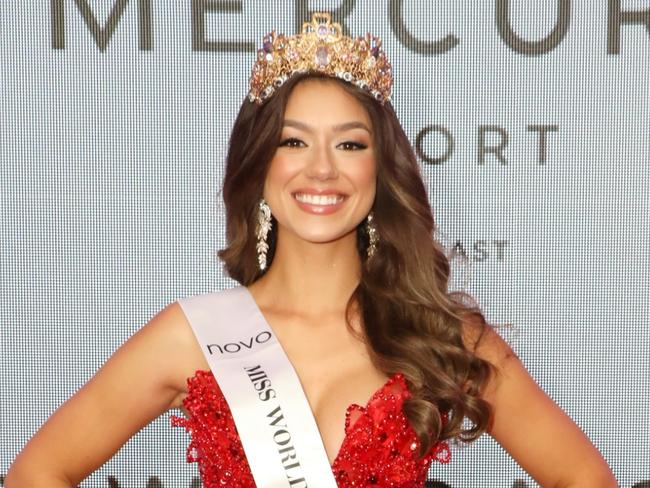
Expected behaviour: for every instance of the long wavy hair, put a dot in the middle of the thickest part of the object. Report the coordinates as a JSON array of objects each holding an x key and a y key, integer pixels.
[{"x": 411, "y": 322}]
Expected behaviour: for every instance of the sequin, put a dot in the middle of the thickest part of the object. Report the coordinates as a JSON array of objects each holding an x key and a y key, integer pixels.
[{"x": 379, "y": 448}]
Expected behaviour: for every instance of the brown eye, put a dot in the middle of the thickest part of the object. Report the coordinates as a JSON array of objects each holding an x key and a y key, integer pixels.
[
  {"x": 355, "y": 146},
  {"x": 291, "y": 142}
]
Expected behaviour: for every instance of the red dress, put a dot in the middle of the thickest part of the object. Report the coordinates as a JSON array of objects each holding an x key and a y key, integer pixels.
[{"x": 379, "y": 449}]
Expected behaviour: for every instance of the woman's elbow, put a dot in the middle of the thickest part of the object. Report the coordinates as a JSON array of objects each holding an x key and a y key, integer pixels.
[
  {"x": 601, "y": 477},
  {"x": 21, "y": 477}
]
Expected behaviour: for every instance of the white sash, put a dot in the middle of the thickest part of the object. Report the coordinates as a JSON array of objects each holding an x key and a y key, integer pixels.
[{"x": 275, "y": 423}]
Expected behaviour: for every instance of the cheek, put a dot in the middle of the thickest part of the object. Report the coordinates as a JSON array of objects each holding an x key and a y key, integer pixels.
[
  {"x": 281, "y": 171},
  {"x": 364, "y": 173}
]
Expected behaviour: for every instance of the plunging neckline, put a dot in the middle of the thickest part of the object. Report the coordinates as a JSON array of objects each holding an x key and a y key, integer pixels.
[
  {"x": 347, "y": 427},
  {"x": 377, "y": 440},
  {"x": 363, "y": 409},
  {"x": 348, "y": 409}
]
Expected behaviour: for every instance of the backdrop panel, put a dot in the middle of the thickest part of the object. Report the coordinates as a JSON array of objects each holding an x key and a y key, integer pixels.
[{"x": 530, "y": 121}]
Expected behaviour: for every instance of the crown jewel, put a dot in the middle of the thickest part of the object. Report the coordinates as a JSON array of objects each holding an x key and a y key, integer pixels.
[{"x": 321, "y": 47}]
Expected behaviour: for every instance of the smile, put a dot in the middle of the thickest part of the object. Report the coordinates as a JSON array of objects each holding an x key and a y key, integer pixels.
[
  {"x": 320, "y": 204},
  {"x": 318, "y": 199}
]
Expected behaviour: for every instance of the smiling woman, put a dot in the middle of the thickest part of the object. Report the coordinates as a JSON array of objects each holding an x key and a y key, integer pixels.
[
  {"x": 342, "y": 358},
  {"x": 329, "y": 169},
  {"x": 369, "y": 319}
]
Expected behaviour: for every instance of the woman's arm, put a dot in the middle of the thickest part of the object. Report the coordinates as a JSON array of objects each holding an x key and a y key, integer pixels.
[
  {"x": 136, "y": 385},
  {"x": 539, "y": 436}
]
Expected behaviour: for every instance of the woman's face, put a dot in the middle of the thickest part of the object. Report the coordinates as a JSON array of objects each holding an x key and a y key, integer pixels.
[{"x": 321, "y": 181}]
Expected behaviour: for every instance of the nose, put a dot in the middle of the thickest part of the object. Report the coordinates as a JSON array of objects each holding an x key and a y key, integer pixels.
[{"x": 321, "y": 165}]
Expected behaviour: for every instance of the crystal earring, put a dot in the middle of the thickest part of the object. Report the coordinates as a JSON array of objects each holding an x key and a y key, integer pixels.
[
  {"x": 263, "y": 228},
  {"x": 373, "y": 235}
]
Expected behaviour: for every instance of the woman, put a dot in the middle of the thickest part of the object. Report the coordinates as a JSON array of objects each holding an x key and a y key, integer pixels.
[{"x": 330, "y": 237}]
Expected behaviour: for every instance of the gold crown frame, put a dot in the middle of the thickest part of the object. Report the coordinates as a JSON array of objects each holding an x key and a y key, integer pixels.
[{"x": 322, "y": 48}]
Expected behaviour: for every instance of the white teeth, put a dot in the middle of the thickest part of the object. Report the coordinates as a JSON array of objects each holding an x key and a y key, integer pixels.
[{"x": 318, "y": 199}]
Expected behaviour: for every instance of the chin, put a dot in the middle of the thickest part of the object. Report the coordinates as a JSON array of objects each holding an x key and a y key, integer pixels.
[{"x": 324, "y": 236}]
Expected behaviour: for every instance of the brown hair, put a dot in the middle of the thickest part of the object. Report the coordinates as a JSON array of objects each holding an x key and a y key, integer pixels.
[{"x": 411, "y": 323}]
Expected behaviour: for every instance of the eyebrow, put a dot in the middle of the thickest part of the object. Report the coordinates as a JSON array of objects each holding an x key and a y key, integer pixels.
[{"x": 336, "y": 128}]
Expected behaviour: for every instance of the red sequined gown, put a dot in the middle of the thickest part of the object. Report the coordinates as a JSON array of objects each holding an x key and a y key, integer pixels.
[{"x": 379, "y": 448}]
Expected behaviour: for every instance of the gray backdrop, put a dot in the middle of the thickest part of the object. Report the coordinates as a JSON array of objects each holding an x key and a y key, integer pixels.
[{"x": 530, "y": 120}]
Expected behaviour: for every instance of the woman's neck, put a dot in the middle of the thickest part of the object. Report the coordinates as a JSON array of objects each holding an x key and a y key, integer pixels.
[{"x": 310, "y": 278}]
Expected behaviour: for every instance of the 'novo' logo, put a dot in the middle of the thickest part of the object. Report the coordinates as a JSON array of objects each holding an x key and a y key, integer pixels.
[{"x": 235, "y": 347}]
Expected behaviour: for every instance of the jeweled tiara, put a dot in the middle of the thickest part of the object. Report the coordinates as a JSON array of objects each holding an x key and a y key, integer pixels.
[{"x": 321, "y": 47}]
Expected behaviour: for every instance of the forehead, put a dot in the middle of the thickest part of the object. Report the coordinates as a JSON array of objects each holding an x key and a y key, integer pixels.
[{"x": 321, "y": 101}]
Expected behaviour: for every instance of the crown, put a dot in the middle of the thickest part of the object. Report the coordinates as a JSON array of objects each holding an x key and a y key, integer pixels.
[{"x": 321, "y": 47}]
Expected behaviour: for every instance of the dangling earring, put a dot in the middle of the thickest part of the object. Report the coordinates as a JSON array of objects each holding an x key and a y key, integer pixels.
[
  {"x": 373, "y": 235},
  {"x": 263, "y": 228}
]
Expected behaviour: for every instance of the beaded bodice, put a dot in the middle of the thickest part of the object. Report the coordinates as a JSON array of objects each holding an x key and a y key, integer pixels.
[{"x": 379, "y": 448}]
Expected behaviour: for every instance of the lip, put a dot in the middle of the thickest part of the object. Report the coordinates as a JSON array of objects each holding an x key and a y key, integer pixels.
[
  {"x": 320, "y": 209},
  {"x": 317, "y": 191}
]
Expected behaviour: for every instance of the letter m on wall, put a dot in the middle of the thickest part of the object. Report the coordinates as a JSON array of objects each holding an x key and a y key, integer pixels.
[{"x": 101, "y": 34}]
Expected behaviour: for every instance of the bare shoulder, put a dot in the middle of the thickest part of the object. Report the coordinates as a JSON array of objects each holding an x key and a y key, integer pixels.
[
  {"x": 171, "y": 335},
  {"x": 483, "y": 340},
  {"x": 161, "y": 354}
]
